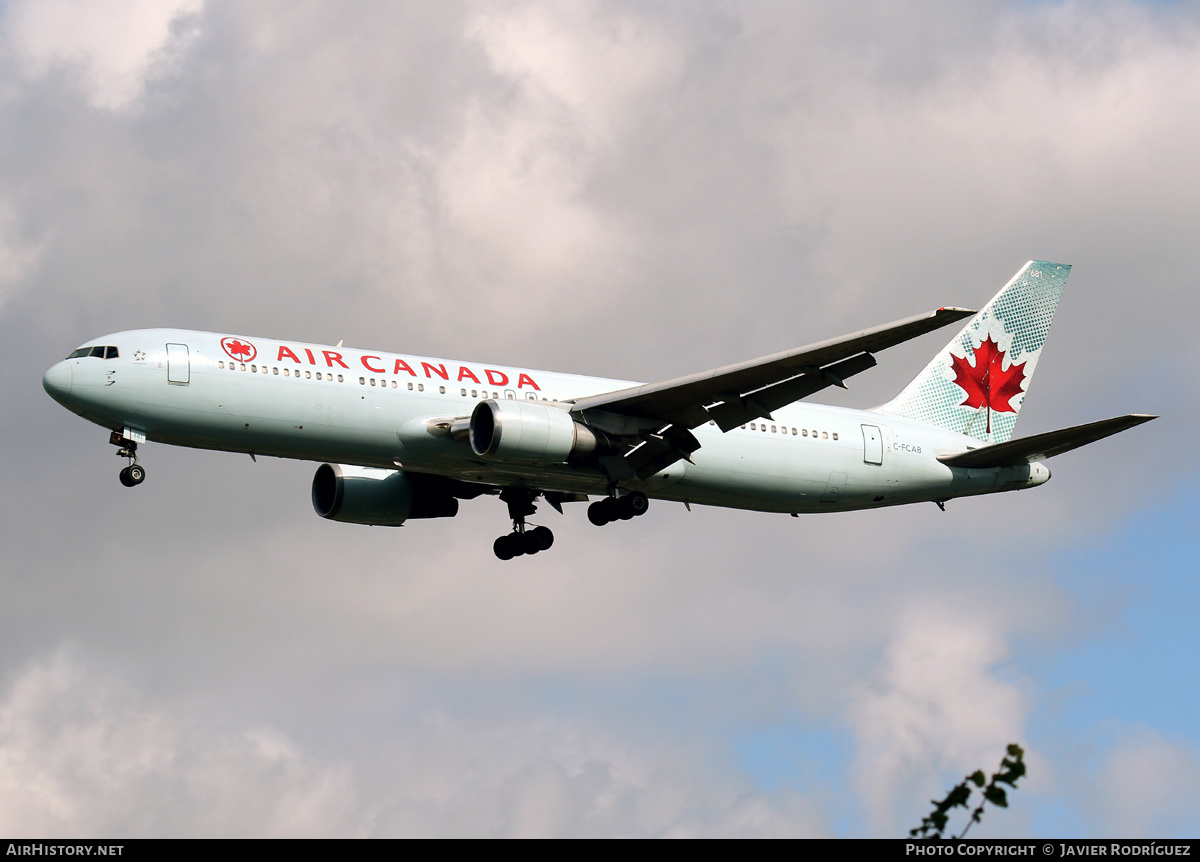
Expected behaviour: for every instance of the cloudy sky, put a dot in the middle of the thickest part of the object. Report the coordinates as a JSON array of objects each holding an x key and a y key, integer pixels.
[{"x": 635, "y": 190}]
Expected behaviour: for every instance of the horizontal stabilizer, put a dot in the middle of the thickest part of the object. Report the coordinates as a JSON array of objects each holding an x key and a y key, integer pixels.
[{"x": 1041, "y": 446}]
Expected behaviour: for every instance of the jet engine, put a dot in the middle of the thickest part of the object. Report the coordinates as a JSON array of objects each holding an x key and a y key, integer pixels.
[
  {"x": 529, "y": 431},
  {"x": 384, "y": 498}
]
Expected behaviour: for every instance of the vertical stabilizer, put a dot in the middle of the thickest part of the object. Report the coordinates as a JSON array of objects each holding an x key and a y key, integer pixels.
[{"x": 977, "y": 383}]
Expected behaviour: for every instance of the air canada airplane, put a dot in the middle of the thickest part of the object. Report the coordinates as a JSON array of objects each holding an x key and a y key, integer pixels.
[{"x": 406, "y": 437}]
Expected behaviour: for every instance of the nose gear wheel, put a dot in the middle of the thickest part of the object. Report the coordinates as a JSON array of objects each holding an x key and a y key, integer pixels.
[{"x": 135, "y": 473}]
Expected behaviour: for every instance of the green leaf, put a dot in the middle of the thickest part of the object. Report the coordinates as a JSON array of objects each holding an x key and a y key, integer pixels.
[
  {"x": 978, "y": 777},
  {"x": 996, "y": 796}
]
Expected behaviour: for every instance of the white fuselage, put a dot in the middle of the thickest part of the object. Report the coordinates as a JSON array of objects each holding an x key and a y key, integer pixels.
[{"x": 320, "y": 403}]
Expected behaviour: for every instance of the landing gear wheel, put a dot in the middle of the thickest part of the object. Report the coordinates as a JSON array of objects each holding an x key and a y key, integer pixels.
[
  {"x": 133, "y": 475},
  {"x": 503, "y": 547},
  {"x": 598, "y": 513},
  {"x": 528, "y": 542},
  {"x": 541, "y": 537},
  {"x": 636, "y": 502}
]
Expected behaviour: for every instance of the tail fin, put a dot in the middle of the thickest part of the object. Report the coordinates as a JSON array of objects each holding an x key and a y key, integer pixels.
[{"x": 977, "y": 383}]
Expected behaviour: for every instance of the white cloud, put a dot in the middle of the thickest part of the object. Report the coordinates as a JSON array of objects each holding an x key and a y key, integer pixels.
[
  {"x": 938, "y": 707},
  {"x": 18, "y": 256},
  {"x": 83, "y": 755},
  {"x": 114, "y": 45},
  {"x": 1148, "y": 786}
]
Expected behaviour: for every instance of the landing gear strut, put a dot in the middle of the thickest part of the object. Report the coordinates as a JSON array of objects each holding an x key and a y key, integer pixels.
[
  {"x": 616, "y": 508},
  {"x": 521, "y": 540},
  {"x": 135, "y": 473}
]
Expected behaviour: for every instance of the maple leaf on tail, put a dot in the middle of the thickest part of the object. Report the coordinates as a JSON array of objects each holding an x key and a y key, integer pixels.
[{"x": 987, "y": 384}]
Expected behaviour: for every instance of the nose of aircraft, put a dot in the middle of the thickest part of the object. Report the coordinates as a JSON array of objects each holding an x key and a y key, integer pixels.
[{"x": 57, "y": 381}]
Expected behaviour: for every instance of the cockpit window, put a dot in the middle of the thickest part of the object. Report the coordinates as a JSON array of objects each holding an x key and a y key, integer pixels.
[{"x": 101, "y": 352}]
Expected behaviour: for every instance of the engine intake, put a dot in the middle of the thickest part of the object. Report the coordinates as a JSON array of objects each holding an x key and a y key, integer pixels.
[
  {"x": 378, "y": 497},
  {"x": 529, "y": 431}
]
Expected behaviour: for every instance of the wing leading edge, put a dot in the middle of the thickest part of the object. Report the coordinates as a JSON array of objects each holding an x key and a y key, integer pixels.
[{"x": 657, "y": 418}]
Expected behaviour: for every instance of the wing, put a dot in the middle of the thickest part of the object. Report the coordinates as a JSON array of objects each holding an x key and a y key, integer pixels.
[
  {"x": 655, "y": 420},
  {"x": 1026, "y": 450}
]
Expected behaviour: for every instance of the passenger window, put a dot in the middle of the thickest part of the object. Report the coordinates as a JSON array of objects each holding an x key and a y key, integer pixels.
[
  {"x": 319, "y": 376},
  {"x": 773, "y": 431},
  {"x": 834, "y": 435},
  {"x": 287, "y": 373},
  {"x": 824, "y": 435},
  {"x": 420, "y": 387},
  {"x": 341, "y": 379},
  {"x": 395, "y": 385},
  {"x": 531, "y": 396},
  {"x": 362, "y": 381},
  {"x": 410, "y": 386},
  {"x": 442, "y": 390},
  {"x": 464, "y": 393},
  {"x": 253, "y": 369},
  {"x": 753, "y": 426},
  {"x": 372, "y": 381},
  {"x": 804, "y": 432},
  {"x": 220, "y": 364},
  {"x": 242, "y": 366},
  {"x": 474, "y": 393}
]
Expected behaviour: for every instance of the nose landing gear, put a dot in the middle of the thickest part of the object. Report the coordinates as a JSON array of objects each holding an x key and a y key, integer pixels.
[{"x": 135, "y": 473}]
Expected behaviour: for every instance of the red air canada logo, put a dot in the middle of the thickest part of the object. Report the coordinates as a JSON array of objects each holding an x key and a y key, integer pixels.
[
  {"x": 987, "y": 384},
  {"x": 242, "y": 351}
]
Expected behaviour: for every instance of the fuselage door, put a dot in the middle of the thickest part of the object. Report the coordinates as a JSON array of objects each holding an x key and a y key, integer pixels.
[
  {"x": 872, "y": 445},
  {"x": 179, "y": 364}
]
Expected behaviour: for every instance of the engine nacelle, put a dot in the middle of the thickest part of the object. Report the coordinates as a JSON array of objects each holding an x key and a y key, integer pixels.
[
  {"x": 370, "y": 495},
  {"x": 528, "y": 431}
]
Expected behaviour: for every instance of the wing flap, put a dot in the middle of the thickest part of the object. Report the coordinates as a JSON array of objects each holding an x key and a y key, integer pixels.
[
  {"x": 738, "y": 410},
  {"x": 1026, "y": 450},
  {"x": 673, "y": 400}
]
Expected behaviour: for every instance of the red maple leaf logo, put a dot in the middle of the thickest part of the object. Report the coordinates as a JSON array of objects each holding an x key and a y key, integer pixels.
[
  {"x": 987, "y": 384},
  {"x": 243, "y": 350}
]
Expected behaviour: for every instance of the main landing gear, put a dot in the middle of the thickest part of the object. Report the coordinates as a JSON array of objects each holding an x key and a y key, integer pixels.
[
  {"x": 135, "y": 473},
  {"x": 618, "y": 508},
  {"x": 522, "y": 539}
]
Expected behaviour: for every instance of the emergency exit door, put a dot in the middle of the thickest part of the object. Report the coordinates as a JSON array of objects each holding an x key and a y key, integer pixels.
[
  {"x": 872, "y": 445},
  {"x": 179, "y": 364}
]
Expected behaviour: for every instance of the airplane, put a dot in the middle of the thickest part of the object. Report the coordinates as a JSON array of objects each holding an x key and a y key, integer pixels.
[{"x": 404, "y": 437}]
